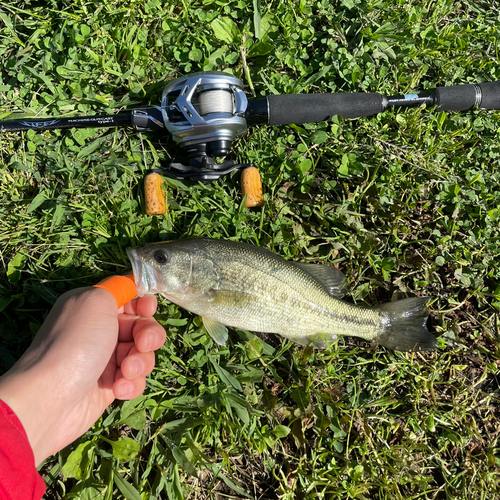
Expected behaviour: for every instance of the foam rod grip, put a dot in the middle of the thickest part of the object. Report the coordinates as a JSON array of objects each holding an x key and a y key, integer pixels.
[
  {"x": 154, "y": 195},
  {"x": 308, "y": 108},
  {"x": 251, "y": 186},
  {"x": 456, "y": 97},
  {"x": 462, "y": 97},
  {"x": 491, "y": 95}
]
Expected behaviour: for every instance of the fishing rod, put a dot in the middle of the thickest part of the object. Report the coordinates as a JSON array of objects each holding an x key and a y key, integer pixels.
[{"x": 205, "y": 112}]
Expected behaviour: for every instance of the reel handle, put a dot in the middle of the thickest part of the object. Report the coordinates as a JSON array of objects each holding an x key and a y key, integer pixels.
[
  {"x": 153, "y": 194},
  {"x": 251, "y": 186}
]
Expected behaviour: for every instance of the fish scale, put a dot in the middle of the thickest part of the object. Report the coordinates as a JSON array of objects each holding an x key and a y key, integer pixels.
[{"x": 244, "y": 286}]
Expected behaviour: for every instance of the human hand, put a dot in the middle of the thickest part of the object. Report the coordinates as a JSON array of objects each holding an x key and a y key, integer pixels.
[{"x": 86, "y": 354}]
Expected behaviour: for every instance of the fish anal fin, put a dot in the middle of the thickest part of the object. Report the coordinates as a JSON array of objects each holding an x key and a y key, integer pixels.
[
  {"x": 332, "y": 279},
  {"x": 216, "y": 330},
  {"x": 321, "y": 340},
  {"x": 317, "y": 341}
]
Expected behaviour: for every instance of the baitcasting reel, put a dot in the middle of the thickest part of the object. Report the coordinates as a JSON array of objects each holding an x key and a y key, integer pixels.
[{"x": 203, "y": 113}]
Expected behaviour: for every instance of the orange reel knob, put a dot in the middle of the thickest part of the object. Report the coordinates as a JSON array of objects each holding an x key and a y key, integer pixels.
[
  {"x": 154, "y": 195},
  {"x": 251, "y": 186}
]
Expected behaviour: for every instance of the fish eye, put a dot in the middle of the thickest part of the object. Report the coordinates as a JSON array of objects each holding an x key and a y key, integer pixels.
[{"x": 160, "y": 256}]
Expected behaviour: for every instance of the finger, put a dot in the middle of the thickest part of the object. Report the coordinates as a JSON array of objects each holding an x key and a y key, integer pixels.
[
  {"x": 126, "y": 324},
  {"x": 122, "y": 288},
  {"x": 146, "y": 306},
  {"x": 107, "y": 379},
  {"x": 142, "y": 306},
  {"x": 137, "y": 364},
  {"x": 122, "y": 351},
  {"x": 128, "y": 389},
  {"x": 148, "y": 335},
  {"x": 130, "y": 326}
]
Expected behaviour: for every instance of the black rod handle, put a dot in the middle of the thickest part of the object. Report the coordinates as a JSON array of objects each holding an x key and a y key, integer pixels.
[
  {"x": 306, "y": 108},
  {"x": 463, "y": 97},
  {"x": 490, "y": 95}
]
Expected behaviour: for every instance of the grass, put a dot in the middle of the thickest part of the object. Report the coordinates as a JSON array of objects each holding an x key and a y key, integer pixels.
[{"x": 403, "y": 202}]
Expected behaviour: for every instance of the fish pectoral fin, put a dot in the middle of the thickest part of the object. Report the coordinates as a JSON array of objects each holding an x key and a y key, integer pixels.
[
  {"x": 216, "y": 330},
  {"x": 332, "y": 279}
]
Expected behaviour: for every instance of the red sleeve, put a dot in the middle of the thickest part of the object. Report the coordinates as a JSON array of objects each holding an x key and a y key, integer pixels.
[{"x": 19, "y": 479}]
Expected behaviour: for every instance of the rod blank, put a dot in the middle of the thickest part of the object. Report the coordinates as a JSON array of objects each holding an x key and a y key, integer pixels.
[{"x": 103, "y": 121}]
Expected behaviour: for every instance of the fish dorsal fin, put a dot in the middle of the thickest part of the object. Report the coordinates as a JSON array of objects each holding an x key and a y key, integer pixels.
[
  {"x": 332, "y": 279},
  {"x": 216, "y": 330}
]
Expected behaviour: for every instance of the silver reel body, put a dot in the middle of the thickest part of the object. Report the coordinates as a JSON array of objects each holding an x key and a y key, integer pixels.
[{"x": 205, "y": 111}]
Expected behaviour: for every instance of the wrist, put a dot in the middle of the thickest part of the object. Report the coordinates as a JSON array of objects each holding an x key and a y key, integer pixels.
[{"x": 26, "y": 401}]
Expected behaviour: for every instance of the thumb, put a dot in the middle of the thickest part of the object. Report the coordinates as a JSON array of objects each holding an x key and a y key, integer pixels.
[{"x": 121, "y": 287}]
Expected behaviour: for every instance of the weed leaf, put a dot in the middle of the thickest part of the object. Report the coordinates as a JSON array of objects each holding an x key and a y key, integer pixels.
[
  {"x": 216, "y": 469},
  {"x": 37, "y": 201},
  {"x": 10, "y": 26},
  {"x": 181, "y": 425},
  {"x": 4, "y": 303},
  {"x": 180, "y": 457},
  {"x": 257, "y": 18},
  {"x": 125, "y": 449},
  {"x": 77, "y": 464},
  {"x": 319, "y": 137},
  {"x": 173, "y": 486},
  {"x": 226, "y": 29},
  {"x": 226, "y": 377},
  {"x": 239, "y": 405},
  {"x": 15, "y": 266},
  {"x": 136, "y": 420},
  {"x": 93, "y": 146},
  {"x": 126, "y": 489}
]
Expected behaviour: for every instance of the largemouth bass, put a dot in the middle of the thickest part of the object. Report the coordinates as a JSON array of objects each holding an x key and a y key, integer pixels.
[{"x": 244, "y": 286}]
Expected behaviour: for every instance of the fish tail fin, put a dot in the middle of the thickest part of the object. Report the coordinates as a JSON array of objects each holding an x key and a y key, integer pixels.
[{"x": 405, "y": 325}]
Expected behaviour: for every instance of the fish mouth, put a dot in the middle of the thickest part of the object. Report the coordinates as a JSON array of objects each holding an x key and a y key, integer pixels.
[{"x": 144, "y": 276}]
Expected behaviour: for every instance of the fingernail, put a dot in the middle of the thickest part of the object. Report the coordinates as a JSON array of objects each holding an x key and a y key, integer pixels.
[
  {"x": 125, "y": 390},
  {"x": 136, "y": 368},
  {"x": 151, "y": 343}
]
